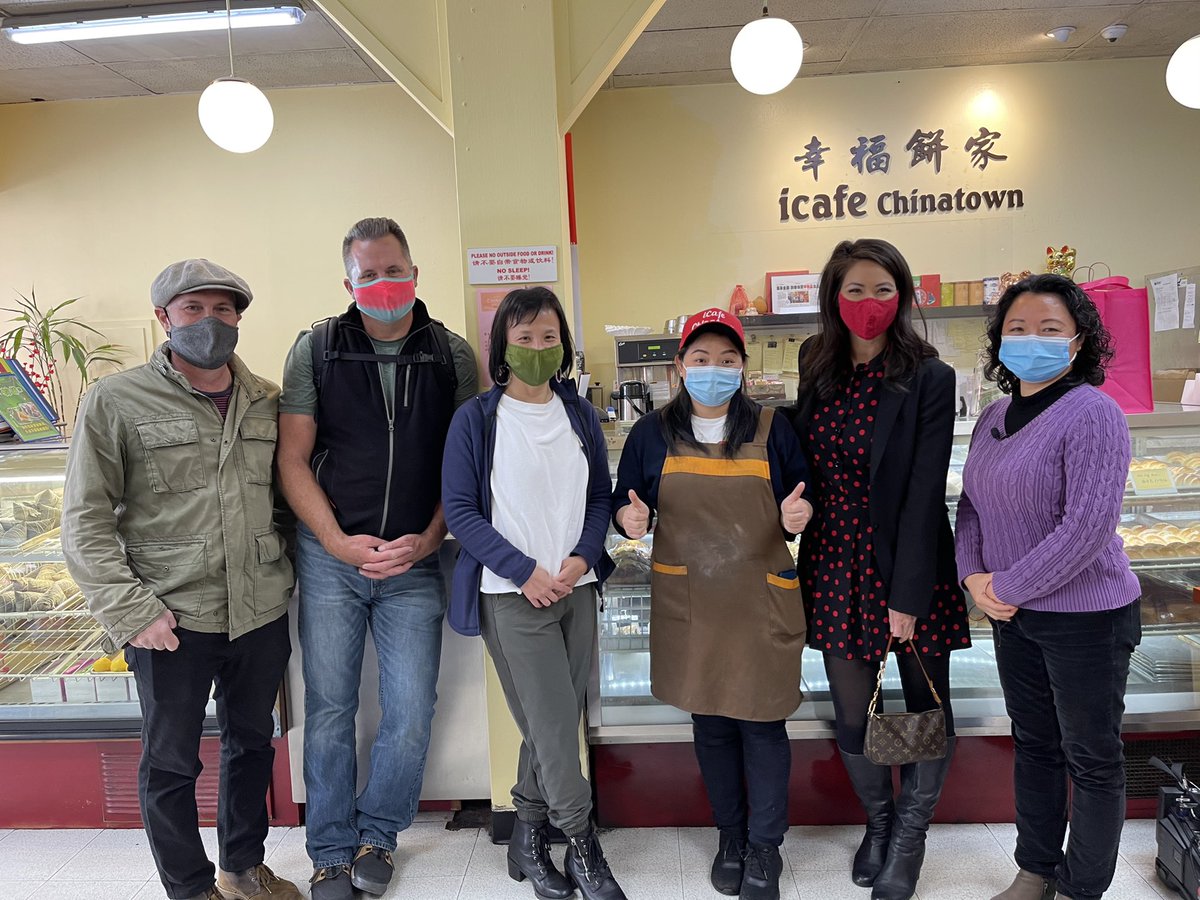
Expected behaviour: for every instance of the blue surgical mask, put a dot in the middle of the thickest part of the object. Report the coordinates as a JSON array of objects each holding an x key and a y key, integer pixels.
[
  {"x": 1036, "y": 359},
  {"x": 712, "y": 385}
]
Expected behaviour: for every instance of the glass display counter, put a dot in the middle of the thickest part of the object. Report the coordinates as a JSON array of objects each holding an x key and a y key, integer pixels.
[{"x": 1160, "y": 525}]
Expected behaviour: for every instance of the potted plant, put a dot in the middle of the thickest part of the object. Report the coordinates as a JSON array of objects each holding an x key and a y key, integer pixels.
[{"x": 46, "y": 343}]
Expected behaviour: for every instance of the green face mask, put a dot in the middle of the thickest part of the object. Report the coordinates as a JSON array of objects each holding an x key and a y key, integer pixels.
[{"x": 534, "y": 367}]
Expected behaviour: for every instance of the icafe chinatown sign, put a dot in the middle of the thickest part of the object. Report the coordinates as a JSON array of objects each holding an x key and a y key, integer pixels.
[{"x": 871, "y": 157}]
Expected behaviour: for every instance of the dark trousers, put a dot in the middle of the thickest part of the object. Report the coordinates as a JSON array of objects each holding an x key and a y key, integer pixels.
[
  {"x": 852, "y": 683},
  {"x": 745, "y": 766},
  {"x": 173, "y": 688},
  {"x": 1063, "y": 676}
]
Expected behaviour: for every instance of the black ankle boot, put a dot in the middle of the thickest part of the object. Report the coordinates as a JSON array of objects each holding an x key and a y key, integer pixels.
[
  {"x": 873, "y": 784},
  {"x": 764, "y": 865},
  {"x": 920, "y": 787},
  {"x": 529, "y": 857},
  {"x": 727, "y": 868},
  {"x": 588, "y": 870}
]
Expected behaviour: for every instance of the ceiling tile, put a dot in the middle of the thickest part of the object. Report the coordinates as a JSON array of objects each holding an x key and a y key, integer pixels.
[
  {"x": 723, "y": 13},
  {"x": 273, "y": 70},
  {"x": 37, "y": 56},
  {"x": 314, "y": 33},
  {"x": 915, "y": 7},
  {"x": 1155, "y": 27},
  {"x": 66, "y": 83},
  {"x": 894, "y": 40},
  {"x": 849, "y": 67},
  {"x": 697, "y": 49}
]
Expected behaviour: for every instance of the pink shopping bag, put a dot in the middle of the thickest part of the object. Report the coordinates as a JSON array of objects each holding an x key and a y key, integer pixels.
[{"x": 1125, "y": 312}]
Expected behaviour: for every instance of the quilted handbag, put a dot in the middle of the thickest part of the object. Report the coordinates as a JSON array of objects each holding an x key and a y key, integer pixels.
[{"x": 896, "y": 739}]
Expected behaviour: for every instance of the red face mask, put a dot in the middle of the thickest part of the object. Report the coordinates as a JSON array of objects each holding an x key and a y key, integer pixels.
[{"x": 868, "y": 318}]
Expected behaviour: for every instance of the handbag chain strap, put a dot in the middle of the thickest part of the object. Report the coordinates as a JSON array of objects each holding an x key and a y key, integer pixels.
[{"x": 883, "y": 667}]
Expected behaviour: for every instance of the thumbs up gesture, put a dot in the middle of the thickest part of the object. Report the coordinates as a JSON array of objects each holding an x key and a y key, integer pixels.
[
  {"x": 634, "y": 518},
  {"x": 795, "y": 511}
]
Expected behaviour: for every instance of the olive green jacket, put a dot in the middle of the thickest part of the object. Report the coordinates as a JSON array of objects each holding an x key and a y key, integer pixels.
[{"x": 167, "y": 506}]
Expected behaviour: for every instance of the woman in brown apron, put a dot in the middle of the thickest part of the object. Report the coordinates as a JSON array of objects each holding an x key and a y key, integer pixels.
[
  {"x": 875, "y": 414},
  {"x": 723, "y": 477}
]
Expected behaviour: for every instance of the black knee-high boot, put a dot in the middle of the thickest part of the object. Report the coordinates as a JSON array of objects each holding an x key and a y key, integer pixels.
[
  {"x": 873, "y": 784},
  {"x": 920, "y": 787}
]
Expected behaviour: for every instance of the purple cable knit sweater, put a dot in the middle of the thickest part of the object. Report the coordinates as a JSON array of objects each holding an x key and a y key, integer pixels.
[{"x": 1040, "y": 508}]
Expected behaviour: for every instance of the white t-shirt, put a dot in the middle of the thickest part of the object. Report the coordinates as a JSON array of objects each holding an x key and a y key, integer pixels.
[
  {"x": 709, "y": 431},
  {"x": 539, "y": 486}
]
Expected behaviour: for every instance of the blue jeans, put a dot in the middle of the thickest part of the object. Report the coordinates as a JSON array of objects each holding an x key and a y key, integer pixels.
[
  {"x": 405, "y": 616},
  {"x": 1063, "y": 676},
  {"x": 745, "y": 767}
]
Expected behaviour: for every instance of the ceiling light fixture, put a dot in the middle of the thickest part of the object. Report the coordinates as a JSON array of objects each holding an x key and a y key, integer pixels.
[
  {"x": 163, "y": 19},
  {"x": 766, "y": 54},
  {"x": 1062, "y": 33},
  {"x": 235, "y": 114},
  {"x": 1183, "y": 74}
]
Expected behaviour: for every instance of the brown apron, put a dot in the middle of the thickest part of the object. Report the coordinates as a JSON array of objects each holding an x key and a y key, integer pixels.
[{"x": 726, "y": 630}]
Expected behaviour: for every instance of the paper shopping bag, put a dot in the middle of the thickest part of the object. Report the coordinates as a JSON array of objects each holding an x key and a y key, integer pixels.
[{"x": 1125, "y": 312}]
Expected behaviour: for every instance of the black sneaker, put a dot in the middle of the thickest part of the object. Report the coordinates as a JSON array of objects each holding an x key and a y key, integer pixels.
[
  {"x": 332, "y": 883},
  {"x": 372, "y": 870}
]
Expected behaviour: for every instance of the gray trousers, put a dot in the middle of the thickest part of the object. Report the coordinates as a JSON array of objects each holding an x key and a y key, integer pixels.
[{"x": 543, "y": 656}]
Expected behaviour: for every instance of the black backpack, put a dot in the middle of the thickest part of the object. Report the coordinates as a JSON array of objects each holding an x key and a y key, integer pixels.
[{"x": 324, "y": 335}]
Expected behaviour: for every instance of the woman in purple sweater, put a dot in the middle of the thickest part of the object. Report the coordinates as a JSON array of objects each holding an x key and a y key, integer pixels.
[{"x": 1038, "y": 550}]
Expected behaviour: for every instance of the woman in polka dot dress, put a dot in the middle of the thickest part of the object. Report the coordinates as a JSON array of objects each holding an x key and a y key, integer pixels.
[{"x": 875, "y": 414}]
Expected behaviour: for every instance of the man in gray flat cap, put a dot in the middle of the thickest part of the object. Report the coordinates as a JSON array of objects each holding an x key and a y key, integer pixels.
[{"x": 168, "y": 530}]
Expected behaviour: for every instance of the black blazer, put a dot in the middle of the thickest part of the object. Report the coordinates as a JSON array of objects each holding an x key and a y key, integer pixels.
[{"x": 910, "y": 456}]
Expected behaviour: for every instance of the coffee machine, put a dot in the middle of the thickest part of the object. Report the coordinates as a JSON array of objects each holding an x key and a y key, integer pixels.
[{"x": 649, "y": 361}]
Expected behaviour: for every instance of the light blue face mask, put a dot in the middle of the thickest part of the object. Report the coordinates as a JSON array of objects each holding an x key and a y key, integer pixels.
[
  {"x": 1036, "y": 359},
  {"x": 712, "y": 385}
]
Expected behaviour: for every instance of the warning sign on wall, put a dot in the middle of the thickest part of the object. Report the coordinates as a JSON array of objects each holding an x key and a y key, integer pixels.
[{"x": 512, "y": 265}]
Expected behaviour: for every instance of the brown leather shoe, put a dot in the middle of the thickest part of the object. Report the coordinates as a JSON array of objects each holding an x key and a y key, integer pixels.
[
  {"x": 259, "y": 883},
  {"x": 211, "y": 894}
]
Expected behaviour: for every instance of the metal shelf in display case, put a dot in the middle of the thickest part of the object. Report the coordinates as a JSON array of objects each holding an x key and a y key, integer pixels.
[{"x": 1162, "y": 530}]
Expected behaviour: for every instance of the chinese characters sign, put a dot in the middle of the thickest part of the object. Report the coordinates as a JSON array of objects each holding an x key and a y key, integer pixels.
[
  {"x": 512, "y": 265},
  {"x": 871, "y": 156}
]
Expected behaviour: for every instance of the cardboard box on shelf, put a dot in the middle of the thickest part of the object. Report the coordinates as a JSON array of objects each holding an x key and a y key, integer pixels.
[
  {"x": 962, "y": 293},
  {"x": 975, "y": 292},
  {"x": 1168, "y": 384},
  {"x": 948, "y": 293}
]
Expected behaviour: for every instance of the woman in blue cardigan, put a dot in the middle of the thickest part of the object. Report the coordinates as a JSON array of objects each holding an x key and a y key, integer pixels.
[{"x": 525, "y": 490}]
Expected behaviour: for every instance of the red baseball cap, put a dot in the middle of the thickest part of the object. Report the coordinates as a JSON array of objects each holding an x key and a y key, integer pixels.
[{"x": 713, "y": 320}]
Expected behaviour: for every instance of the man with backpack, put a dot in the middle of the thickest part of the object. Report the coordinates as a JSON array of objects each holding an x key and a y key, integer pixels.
[{"x": 367, "y": 400}]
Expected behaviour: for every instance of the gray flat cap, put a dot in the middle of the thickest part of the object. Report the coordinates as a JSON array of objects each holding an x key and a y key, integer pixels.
[{"x": 190, "y": 275}]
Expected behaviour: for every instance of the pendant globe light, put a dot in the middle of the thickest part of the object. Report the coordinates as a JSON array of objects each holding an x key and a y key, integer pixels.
[
  {"x": 1183, "y": 74},
  {"x": 235, "y": 114},
  {"x": 766, "y": 54}
]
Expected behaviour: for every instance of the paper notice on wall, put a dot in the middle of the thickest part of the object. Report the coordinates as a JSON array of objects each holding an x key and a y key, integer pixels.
[
  {"x": 512, "y": 265},
  {"x": 1189, "y": 306},
  {"x": 773, "y": 357},
  {"x": 1165, "y": 290}
]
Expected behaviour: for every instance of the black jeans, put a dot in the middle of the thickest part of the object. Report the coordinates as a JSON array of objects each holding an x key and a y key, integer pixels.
[
  {"x": 1063, "y": 676},
  {"x": 173, "y": 688},
  {"x": 745, "y": 764}
]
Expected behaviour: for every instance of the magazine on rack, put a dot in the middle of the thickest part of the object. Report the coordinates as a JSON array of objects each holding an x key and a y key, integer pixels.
[{"x": 22, "y": 407}]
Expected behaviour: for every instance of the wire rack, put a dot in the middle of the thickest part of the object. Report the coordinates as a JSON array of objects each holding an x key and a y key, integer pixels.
[{"x": 45, "y": 626}]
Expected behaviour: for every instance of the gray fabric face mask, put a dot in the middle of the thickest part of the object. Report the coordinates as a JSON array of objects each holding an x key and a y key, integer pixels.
[{"x": 207, "y": 344}]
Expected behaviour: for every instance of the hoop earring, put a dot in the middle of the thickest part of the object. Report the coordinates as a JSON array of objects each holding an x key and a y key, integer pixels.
[{"x": 506, "y": 373}]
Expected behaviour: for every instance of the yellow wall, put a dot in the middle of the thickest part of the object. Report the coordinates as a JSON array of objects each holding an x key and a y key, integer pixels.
[
  {"x": 676, "y": 188},
  {"x": 97, "y": 196}
]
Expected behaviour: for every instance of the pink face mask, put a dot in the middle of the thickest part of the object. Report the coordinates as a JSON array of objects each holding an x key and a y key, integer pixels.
[
  {"x": 868, "y": 318},
  {"x": 386, "y": 299}
]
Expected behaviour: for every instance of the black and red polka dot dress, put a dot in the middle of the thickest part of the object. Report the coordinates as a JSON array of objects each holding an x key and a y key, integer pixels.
[{"x": 849, "y": 615}]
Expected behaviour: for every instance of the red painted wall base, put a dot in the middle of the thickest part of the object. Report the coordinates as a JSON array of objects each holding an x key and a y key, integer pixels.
[
  {"x": 93, "y": 784},
  {"x": 646, "y": 785}
]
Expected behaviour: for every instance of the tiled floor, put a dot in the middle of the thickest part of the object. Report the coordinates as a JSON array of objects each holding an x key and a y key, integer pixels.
[{"x": 964, "y": 862}]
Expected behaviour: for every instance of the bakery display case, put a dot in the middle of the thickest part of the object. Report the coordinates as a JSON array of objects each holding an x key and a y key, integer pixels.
[
  {"x": 1160, "y": 525},
  {"x": 69, "y": 714},
  {"x": 52, "y": 670}
]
